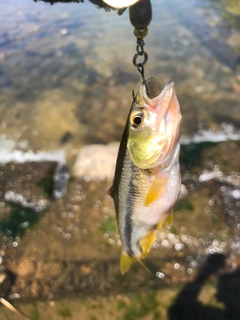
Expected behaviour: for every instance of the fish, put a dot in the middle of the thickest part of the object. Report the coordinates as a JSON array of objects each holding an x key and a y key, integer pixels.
[{"x": 147, "y": 178}]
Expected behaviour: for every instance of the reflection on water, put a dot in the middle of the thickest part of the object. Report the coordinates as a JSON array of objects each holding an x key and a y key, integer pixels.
[{"x": 67, "y": 73}]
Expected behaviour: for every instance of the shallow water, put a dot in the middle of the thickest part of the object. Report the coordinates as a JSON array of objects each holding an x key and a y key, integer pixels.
[
  {"x": 67, "y": 73},
  {"x": 66, "y": 78}
]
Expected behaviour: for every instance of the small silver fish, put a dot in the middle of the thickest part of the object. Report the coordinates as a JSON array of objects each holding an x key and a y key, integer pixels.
[{"x": 147, "y": 175}]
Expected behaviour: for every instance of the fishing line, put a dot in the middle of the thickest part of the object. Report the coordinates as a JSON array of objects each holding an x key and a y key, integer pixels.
[{"x": 108, "y": 30}]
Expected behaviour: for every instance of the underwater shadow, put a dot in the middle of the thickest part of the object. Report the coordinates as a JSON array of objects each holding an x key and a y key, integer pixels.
[{"x": 186, "y": 305}]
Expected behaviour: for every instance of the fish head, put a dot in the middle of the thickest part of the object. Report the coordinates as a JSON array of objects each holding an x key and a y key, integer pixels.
[{"x": 154, "y": 124}]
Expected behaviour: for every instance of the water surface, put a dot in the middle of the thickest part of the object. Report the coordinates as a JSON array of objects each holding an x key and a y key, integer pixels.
[
  {"x": 66, "y": 78},
  {"x": 67, "y": 73}
]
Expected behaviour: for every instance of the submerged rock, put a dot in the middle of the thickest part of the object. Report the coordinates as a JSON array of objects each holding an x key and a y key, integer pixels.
[{"x": 80, "y": 247}]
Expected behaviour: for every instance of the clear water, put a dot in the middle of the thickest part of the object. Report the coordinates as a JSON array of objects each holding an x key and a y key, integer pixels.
[
  {"x": 66, "y": 79},
  {"x": 66, "y": 72}
]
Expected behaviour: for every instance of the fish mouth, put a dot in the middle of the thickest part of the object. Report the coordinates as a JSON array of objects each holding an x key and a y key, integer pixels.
[
  {"x": 163, "y": 96},
  {"x": 152, "y": 88},
  {"x": 155, "y": 94}
]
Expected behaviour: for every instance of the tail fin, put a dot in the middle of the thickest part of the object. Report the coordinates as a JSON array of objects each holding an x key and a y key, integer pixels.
[{"x": 126, "y": 261}]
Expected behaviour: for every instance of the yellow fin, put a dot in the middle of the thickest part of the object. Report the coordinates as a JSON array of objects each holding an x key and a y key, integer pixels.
[
  {"x": 146, "y": 243},
  {"x": 170, "y": 219},
  {"x": 143, "y": 265},
  {"x": 160, "y": 224},
  {"x": 125, "y": 262},
  {"x": 156, "y": 189}
]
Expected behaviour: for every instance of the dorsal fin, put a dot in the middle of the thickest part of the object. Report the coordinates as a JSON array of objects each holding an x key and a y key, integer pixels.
[{"x": 111, "y": 192}]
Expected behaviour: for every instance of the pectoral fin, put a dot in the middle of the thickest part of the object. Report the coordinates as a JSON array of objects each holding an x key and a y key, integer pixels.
[{"x": 156, "y": 189}]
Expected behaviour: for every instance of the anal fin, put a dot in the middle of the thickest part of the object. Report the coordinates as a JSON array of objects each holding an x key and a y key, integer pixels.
[
  {"x": 146, "y": 243},
  {"x": 160, "y": 224},
  {"x": 170, "y": 219}
]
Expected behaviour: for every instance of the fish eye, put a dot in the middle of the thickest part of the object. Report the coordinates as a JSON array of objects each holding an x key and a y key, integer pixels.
[{"x": 136, "y": 119}]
